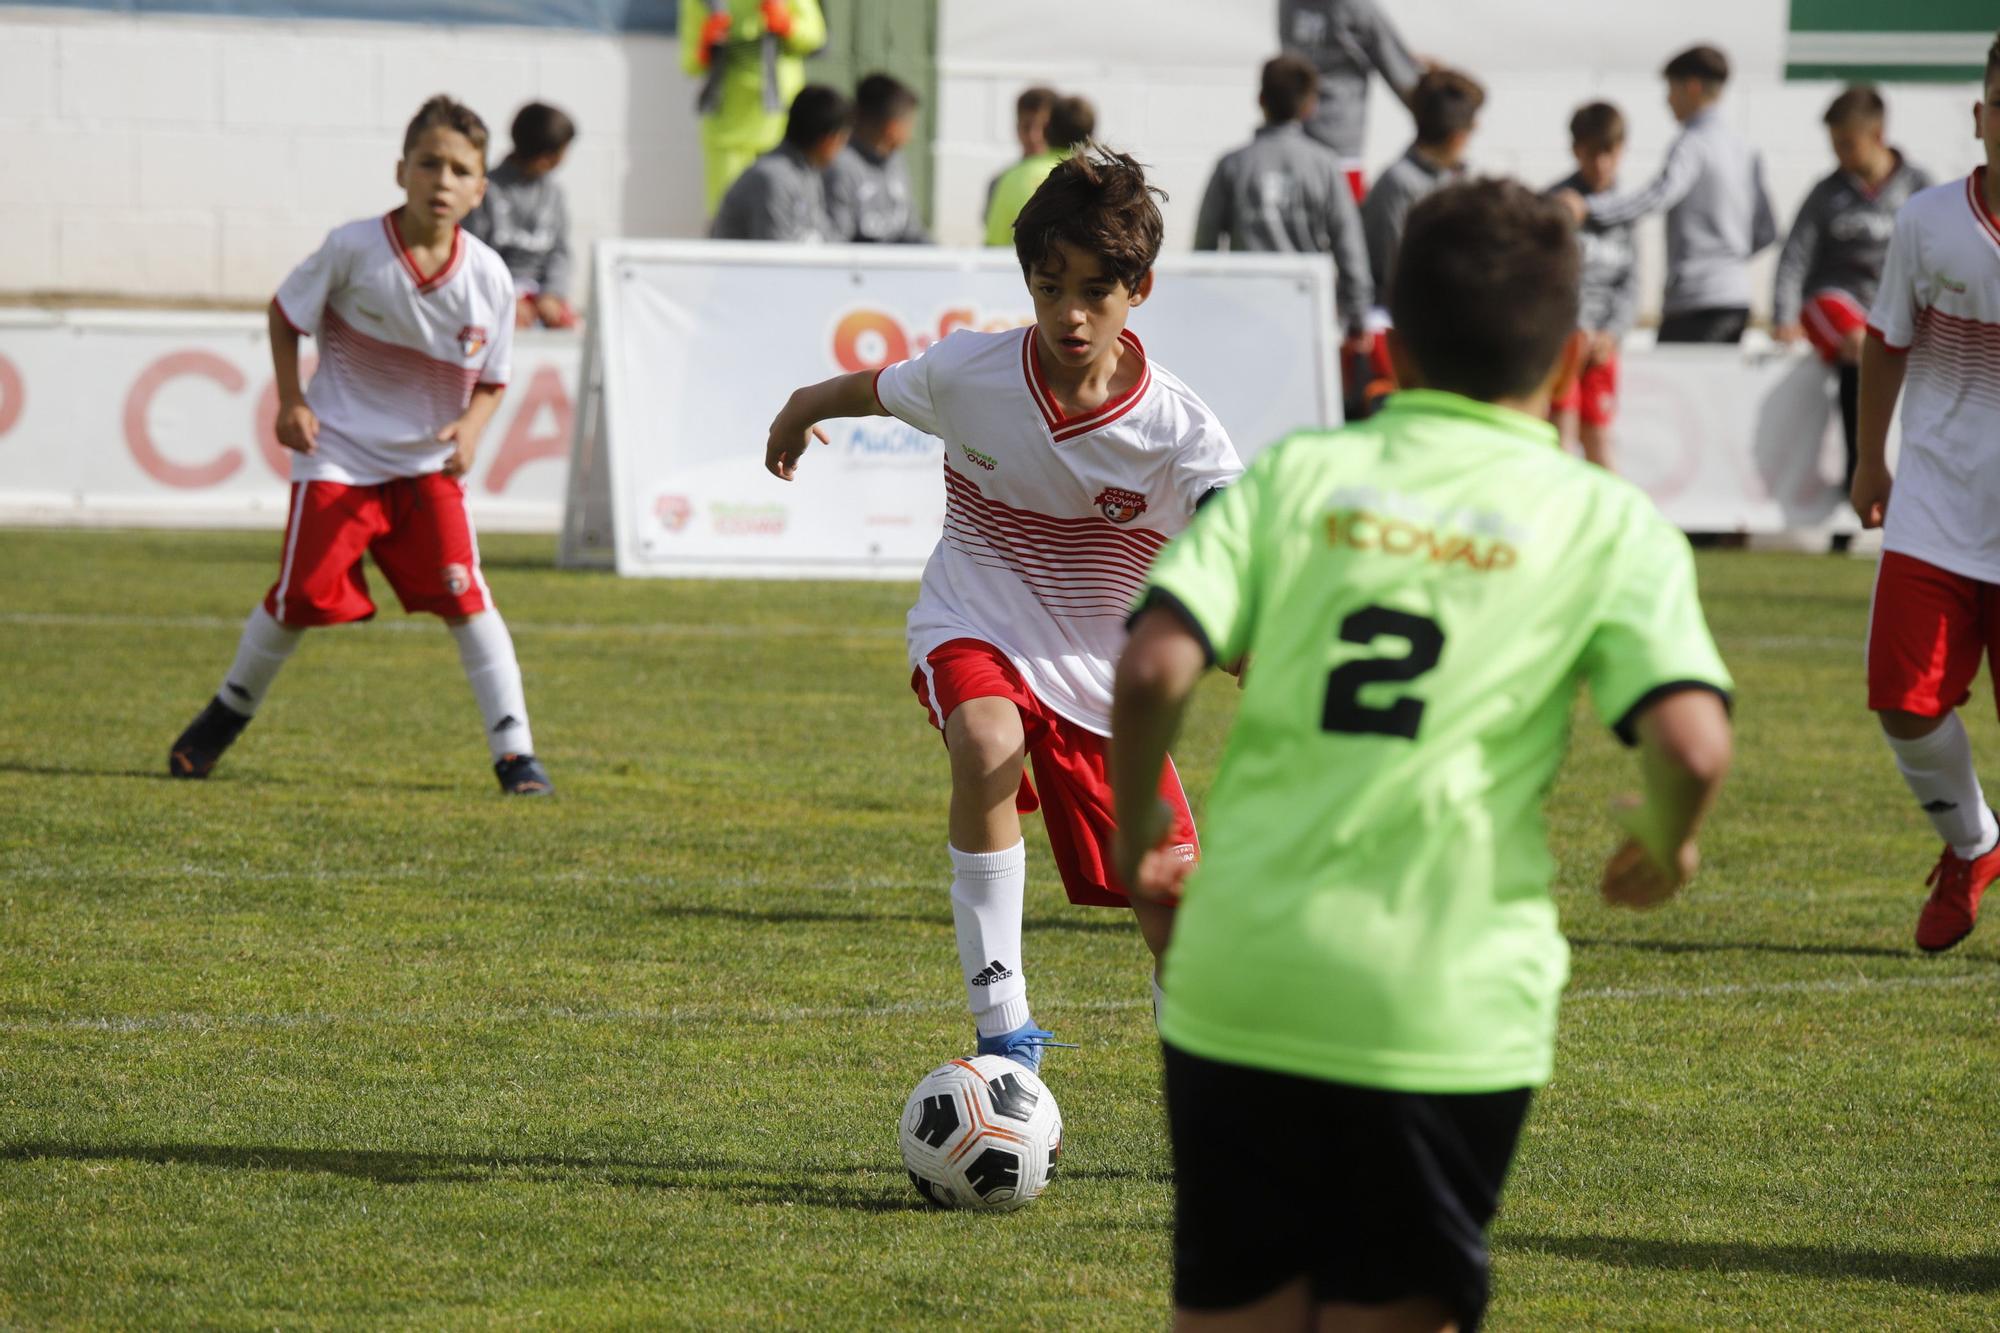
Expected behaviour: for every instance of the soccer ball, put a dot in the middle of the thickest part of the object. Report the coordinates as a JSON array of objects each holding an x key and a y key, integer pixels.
[{"x": 981, "y": 1132}]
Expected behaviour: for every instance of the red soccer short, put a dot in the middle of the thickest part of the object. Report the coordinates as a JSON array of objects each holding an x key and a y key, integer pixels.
[
  {"x": 1593, "y": 394},
  {"x": 1828, "y": 318},
  {"x": 415, "y": 527},
  {"x": 1075, "y": 798},
  {"x": 1927, "y": 630}
]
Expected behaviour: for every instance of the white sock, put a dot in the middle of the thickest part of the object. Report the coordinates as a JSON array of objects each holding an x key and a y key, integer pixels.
[
  {"x": 487, "y": 651},
  {"x": 259, "y": 653},
  {"x": 986, "y": 893},
  {"x": 1939, "y": 769}
]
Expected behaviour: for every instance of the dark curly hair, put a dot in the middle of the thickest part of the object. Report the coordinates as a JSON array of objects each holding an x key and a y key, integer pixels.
[{"x": 1098, "y": 201}]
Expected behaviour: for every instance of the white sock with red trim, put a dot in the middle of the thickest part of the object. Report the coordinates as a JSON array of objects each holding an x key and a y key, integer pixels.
[
  {"x": 987, "y": 890},
  {"x": 486, "y": 650},
  {"x": 1938, "y": 768},
  {"x": 259, "y": 654}
]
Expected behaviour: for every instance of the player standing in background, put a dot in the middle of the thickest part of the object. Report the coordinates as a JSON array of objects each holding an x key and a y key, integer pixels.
[
  {"x": 1031, "y": 127},
  {"x": 415, "y": 323},
  {"x": 1070, "y": 459},
  {"x": 1072, "y": 121},
  {"x": 1718, "y": 212},
  {"x": 523, "y": 217},
  {"x": 868, "y": 185},
  {"x": 1831, "y": 265},
  {"x": 1344, "y": 40},
  {"x": 1608, "y": 290},
  {"x": 1446, "y": 106},
  {"x": 1283, "y": 192},
  {"x": 751, "y": 58},
  {"x": 1368, "y": 950},
  {"x": 782, "y": 197},
  {"x": 1933, "y": 339}
]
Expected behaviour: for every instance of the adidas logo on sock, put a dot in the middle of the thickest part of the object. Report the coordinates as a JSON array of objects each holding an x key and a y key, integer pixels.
[
  {"x": 992, "y": 974},
  {"x": 508, "y": 721}
]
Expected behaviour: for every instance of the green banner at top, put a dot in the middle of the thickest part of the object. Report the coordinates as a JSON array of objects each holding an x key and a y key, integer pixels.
[{"x": 1937, "y": 41}]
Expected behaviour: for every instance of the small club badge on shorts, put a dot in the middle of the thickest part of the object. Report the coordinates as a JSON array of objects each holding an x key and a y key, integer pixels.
[
  {"x": 470, "y": 339},
  {"x": 1120, "y": 506},
  {"x": 457, "y": 580}
]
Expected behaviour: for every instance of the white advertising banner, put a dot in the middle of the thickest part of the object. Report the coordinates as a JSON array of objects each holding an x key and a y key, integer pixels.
[
  {"x": 163, "y": 419},
  {"x": 699, "y": 344}
]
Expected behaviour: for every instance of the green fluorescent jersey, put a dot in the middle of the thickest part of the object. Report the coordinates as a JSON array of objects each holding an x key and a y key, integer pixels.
[{"x": 1420, "y": 596}]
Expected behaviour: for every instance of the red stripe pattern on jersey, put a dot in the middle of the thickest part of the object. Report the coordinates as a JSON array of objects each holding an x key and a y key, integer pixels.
[
  {"x": 1068, "y": 428},
  {"x": 396, "y": 379},
  {"x": 1956, "y": 358},
  {"x": 1077, "y": 568}
]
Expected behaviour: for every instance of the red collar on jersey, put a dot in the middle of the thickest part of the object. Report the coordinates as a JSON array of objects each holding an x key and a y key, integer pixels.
[
  {"x": 1068, "y": 428},
  {"x": 437, "y": 279},
  {"x": 1975, "y": 194}
]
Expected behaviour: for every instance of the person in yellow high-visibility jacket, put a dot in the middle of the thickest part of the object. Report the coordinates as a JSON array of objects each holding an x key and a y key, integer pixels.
[{"x": 751, "y": 56}]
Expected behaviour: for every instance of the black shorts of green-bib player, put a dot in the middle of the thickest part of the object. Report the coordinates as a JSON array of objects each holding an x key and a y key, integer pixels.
[{"x": 1361, "y": 988}]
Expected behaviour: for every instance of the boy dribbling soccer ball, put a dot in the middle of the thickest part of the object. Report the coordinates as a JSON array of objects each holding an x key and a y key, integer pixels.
[
  {"x": 1070, "y": 459},
  {"x": 415, "y": 323}
]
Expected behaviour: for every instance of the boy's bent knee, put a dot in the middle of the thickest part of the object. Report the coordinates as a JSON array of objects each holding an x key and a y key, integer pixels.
[
  {"x": 986, "y": 733},
  {"x": 1902, "y": 726}
]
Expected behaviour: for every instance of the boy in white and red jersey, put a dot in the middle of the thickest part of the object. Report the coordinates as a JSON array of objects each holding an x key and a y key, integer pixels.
[
  {"x": 1070, "y": 459},
  {"x": 1935, "y": 331},
  {"x": 415, "y": 323}
]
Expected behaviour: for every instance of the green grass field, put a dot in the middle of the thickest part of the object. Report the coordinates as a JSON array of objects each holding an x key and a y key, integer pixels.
[{"x": 342, "y": 1038}]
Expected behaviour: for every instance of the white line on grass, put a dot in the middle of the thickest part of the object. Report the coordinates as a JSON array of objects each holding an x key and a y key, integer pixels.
[
  {"x": 717, "y": 1015},
  {"x": 656, "y": 630}
]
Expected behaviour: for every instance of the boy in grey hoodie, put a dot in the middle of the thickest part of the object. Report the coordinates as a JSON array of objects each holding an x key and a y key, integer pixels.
[{"x": 524, "y": 217}]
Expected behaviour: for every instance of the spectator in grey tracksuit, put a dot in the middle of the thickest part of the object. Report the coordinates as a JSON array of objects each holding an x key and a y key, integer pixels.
[
  {"x": 868, "y": 187},
  {"x": 1284, "y": 191},
  {"x": 1832, "y": 260},
  {"x": 1346, "y": 40},
  {"x": 1718, "y": 213},
  {"x": 524, "y": 218},
  {"x": 782, "y": 195},
  {"x": 1446, "y": 105},
  {"x": 1607, "y": 286}
]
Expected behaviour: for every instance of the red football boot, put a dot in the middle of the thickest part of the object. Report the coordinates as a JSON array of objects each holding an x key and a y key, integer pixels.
[{"x": 1956, "y": 887}]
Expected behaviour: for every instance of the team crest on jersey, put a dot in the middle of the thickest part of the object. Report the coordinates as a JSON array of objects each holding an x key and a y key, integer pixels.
[
  {"x": 1120, "y": 506},
  {"x": 470, "y": 339},
  {"x": 457, "y": 579}
]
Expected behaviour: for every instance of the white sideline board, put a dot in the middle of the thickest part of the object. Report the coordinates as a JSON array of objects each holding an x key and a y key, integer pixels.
[{"x": 695, "y": 345}]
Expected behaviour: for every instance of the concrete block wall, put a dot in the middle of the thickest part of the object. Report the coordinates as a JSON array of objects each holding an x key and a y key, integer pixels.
[
  {"x": 1175, "y": 82},
  {"x": 201, "y": 158}
]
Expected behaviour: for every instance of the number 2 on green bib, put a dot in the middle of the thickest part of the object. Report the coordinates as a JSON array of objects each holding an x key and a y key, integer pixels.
[{"x": 1344, "y": 710}]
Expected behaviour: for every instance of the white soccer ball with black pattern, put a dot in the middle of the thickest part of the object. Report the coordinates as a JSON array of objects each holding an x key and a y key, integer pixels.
[{"x": 981, "y": 1132}]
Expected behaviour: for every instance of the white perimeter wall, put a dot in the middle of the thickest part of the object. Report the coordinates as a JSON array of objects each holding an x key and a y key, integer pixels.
[
  {"x": 1175, "y": 82},
  {"x": 175, "y": 156},
  {"x": 197, "y": 157}
]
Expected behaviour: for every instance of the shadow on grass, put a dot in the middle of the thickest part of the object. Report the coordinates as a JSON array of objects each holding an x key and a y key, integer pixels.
[
  {"x": 1977, "y": 1273},
  {"x": 82, "y": 771},
  {"x": 1745, "y": 946},
  {"x": 1089, "y": 922},
  {"x": 827, "y": 1187},
  {"x": 233, "y": 777}
]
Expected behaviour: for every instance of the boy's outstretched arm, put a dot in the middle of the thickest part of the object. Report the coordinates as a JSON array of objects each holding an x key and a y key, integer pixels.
[
  {"x": 1162, "y": 662},
  {"x": 796, "y": 425},
  {"x": 297, "y": 427},
  {"x": 1685, "y": 746},
  {"x": 1882, "y": 370}
]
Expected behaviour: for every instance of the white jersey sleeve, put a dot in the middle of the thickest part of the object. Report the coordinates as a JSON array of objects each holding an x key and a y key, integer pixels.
[
  {"x": 1900, "y": 297},
  {"x": 905, "y": 391},
  {"x": 499, "y": 362},
  {"x": 302, "y": 295}
]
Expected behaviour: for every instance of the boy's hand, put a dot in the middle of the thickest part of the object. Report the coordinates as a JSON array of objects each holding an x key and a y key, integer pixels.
[
  {"x": 788, "y": 444},
  {"x": 1147, "y": 862},
  {"x": 1788, "y": 333},
  {"x": 1637, "y": 875},
  {"x": 524, "y": 312},
  {"x": 298, "y": 428},
  {"x": 1870, "y": 493},
  {"x": 1603, "y": 347},
  {"x": 554, "y": 312},
  {"x": 465, "y": 435}
]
